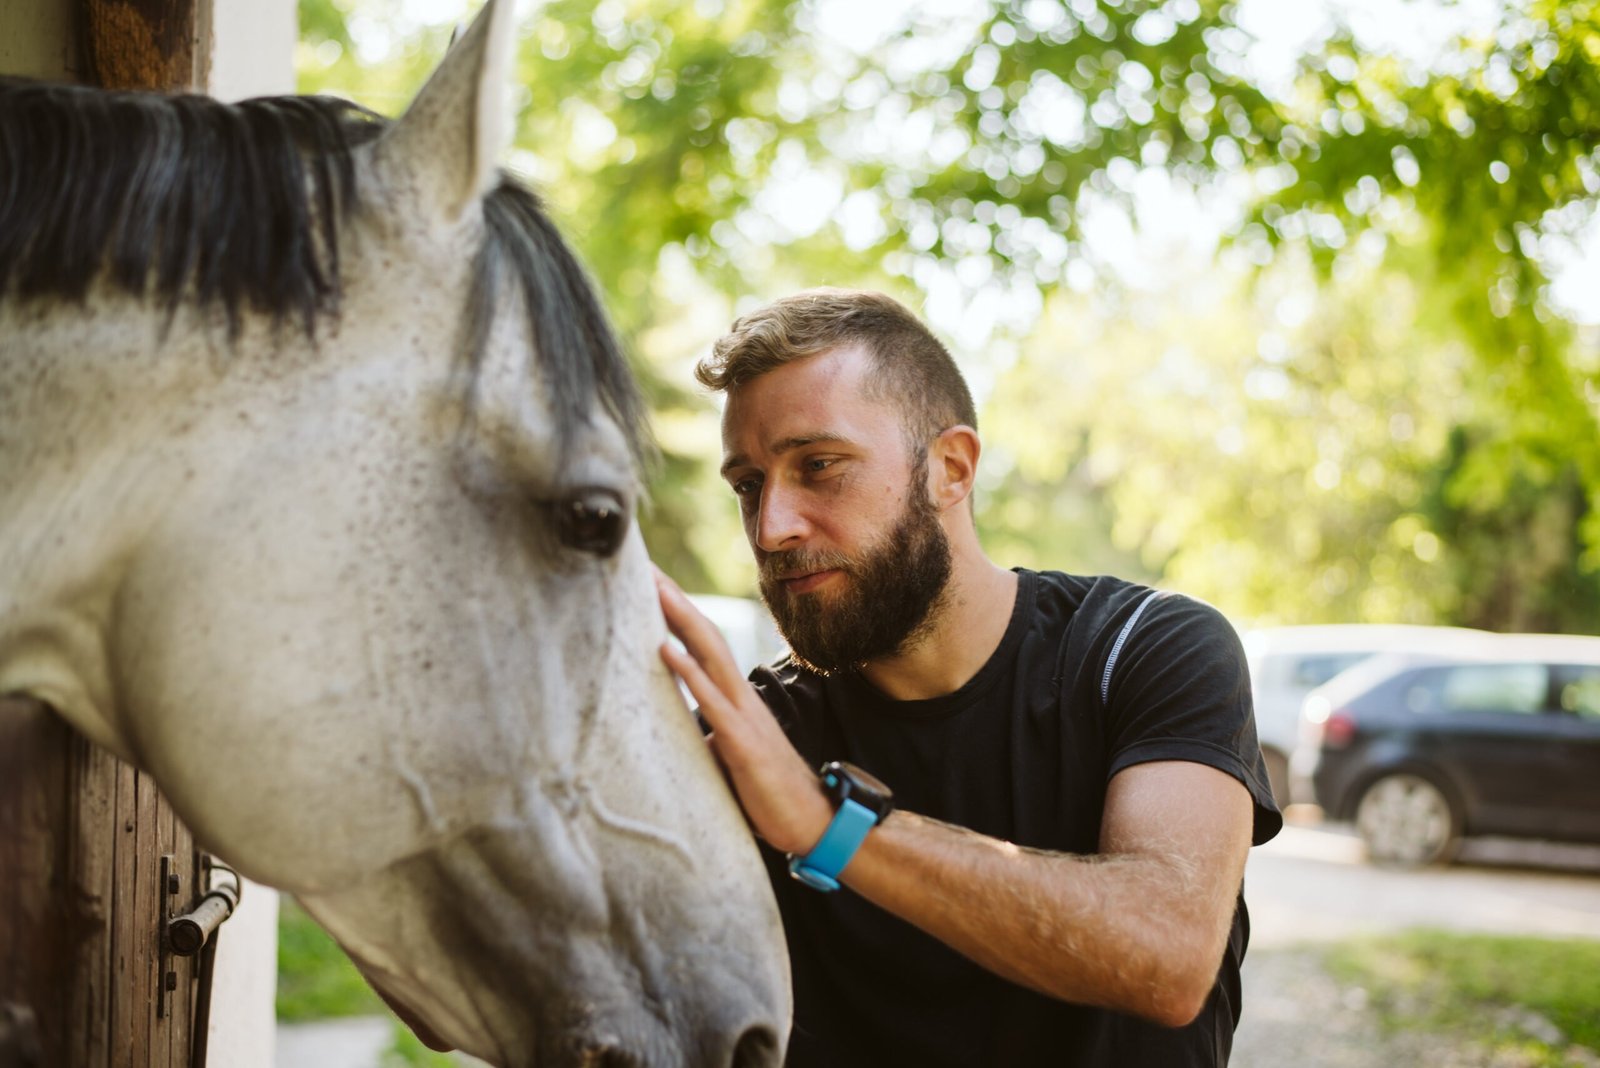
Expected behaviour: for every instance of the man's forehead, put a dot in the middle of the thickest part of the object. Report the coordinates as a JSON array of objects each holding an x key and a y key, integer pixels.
[
  {"x": 777, "y": 414},
  {"x": 810, "y": 388},
  {"x": 842, "y": 369}
]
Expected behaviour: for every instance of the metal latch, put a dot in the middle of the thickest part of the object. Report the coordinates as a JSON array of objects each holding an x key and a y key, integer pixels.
[
  {"x": 187, "y": 934},
  {"x": 195, "y": 932}
]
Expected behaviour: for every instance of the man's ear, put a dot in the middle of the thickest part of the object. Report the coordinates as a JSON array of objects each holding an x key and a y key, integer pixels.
[{"x": 953, "y": 465}]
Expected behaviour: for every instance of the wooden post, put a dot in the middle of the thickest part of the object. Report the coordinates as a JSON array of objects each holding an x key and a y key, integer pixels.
[
  {"x": 35, "y": 972},
  {"x": 146, "y": 44},
  {"x": 80, "y": 945}
]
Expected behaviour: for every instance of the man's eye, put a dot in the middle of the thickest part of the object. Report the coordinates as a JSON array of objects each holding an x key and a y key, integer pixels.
[
  {"x": 744, "y": 487},
  {"x": 818, "y": 464}
]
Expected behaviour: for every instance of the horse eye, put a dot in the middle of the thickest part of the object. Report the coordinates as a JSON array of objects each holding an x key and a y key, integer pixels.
[{"x": 592, "y": 521}]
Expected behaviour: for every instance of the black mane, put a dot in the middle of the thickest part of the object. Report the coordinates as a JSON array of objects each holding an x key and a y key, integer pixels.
[{"x": 181, "y": 197}]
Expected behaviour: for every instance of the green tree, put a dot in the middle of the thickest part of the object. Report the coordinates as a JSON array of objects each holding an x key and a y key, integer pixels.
[
  {"x": 1420, "y": 445},
  {"x": 1452, "y": 184},
  {"x": 663, "y": 133},
  {"x": 1469, "y": 177},
  {"x": 1272, "y": 469}
]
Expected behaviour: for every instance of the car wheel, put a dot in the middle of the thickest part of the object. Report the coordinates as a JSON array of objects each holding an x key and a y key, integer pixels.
[
  {"x": 1405, "y": 819},
  {"x": 1277, "y": 776}
]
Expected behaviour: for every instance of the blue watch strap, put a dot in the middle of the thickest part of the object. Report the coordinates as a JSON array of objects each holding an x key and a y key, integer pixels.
[{"x": 820, "y": 868}]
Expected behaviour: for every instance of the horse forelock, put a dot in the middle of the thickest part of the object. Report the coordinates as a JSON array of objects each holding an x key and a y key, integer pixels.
[
  {"x": 579, "y": 356},
  {"x": 177, "y": 198}
]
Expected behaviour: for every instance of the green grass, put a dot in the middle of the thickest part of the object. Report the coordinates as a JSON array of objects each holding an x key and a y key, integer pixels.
[
  {"x": 1481, "y": 987},
  {"x": 409, "y": 1052},
  {"x": 316, "y": 981},
  {"x": 315, "y": 978}
]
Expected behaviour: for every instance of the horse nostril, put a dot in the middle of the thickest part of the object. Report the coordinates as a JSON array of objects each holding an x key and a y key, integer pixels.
[{"x": 757, "y": 1048}]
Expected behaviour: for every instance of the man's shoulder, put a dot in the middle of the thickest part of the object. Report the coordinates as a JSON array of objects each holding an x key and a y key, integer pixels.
[
  {"x": 1080, "y": 589},
  {"x": 1098, "y": 602},
  {"x": 1097, "y": 621},
  {"x": 1087, "y": 604}
]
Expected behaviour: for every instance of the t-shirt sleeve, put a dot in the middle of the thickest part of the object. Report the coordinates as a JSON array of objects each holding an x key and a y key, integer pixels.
[{"x": 1179, "y": 689}]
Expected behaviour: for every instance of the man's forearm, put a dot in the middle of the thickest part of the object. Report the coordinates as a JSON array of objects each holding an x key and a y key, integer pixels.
[{"x": 1138, "y": 931}]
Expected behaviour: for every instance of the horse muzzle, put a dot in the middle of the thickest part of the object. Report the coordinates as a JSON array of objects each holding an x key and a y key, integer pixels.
[{"x": 485, "y": 945}]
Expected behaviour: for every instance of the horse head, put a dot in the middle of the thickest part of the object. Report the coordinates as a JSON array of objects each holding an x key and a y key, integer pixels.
[{"x": 318, "y": 469}]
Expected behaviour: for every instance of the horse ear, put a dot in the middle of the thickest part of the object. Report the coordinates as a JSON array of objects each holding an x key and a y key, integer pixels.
[{"x": 450, "y": 138}]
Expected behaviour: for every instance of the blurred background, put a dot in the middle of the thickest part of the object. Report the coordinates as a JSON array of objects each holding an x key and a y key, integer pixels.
[{"x": 1294, "y": 307}]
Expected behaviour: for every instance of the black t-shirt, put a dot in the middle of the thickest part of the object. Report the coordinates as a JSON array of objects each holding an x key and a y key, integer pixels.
[{"x": 1022, "y": 752}]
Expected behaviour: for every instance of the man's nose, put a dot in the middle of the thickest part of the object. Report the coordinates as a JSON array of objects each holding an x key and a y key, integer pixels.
[{"x": 780, "y": 523}]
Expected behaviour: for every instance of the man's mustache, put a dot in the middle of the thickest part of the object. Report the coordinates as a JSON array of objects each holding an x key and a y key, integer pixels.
[{"x": 787, "y": 563}]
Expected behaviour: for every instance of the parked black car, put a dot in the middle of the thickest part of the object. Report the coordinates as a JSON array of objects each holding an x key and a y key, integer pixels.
[{"x": 1502, "y": 737}]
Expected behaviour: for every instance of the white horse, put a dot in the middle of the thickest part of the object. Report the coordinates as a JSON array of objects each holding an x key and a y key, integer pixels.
[{"x": 317, "y": 473}]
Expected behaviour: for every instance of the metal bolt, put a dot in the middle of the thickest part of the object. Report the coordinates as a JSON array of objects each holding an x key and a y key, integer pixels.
[
  {"x": 172, "y": 980},
  {"x": 174, "y": 881}
]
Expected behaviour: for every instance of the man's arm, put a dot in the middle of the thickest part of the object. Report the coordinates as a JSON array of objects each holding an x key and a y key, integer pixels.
[{"x": 1139, "y": 927}]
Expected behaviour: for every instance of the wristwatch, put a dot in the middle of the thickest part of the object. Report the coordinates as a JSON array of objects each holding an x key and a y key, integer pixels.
[{"x": 860, "y": 802}]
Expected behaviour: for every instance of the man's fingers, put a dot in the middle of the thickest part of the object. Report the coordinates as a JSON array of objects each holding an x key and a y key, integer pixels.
[
  {"x": 744, "y": 726},
  {"x": 719, "y": 708},
  {"x": 699, "y": 636},
  {"x": 713, "y": 702},
  {"x": 686, "y": 622}
]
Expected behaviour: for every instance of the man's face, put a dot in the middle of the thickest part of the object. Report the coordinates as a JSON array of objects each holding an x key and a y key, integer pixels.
[{"x": 852, "y": 553}]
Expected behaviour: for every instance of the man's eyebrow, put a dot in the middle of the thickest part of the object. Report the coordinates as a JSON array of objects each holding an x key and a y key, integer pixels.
[{"x": 778, "y": 448}]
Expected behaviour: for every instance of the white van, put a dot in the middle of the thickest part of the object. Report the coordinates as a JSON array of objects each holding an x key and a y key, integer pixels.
[{"x": 1286, "y": 663}]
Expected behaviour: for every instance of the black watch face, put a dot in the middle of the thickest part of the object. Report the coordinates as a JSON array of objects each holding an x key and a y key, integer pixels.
[
  {"x": 860, "y": 786},
  {"x": 865, "y": 779}
]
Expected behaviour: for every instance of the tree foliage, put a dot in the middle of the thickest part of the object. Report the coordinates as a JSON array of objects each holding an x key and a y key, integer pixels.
[
  {"x": 1471, "y": 176},
  {"x": 1414, "y": 439}
]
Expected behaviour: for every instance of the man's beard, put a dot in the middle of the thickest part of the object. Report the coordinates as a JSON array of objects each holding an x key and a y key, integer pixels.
[{"x": 888, "y": 600}]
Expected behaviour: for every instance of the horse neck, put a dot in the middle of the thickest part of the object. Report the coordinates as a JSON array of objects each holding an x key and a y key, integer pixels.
[{"x": 90, "y": 402}]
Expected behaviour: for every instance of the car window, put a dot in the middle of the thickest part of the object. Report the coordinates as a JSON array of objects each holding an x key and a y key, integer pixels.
[
  {"x": 1495, "y": 688},
  {"x": 1310, "y": 671},
  {"x": 1578, "y": 690}
]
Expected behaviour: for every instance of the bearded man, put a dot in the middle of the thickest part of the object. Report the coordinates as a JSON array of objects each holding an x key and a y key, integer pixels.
[{"x": 1036, "y": 789}]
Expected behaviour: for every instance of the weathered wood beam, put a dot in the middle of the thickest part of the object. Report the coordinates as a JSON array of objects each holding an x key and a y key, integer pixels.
[
  {"x": 41, "y": 924},
  {"x": 146, "y": 44}
]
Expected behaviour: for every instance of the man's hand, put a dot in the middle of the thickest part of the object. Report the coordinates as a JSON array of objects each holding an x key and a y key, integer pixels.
[{"x": 781, "y": 795}]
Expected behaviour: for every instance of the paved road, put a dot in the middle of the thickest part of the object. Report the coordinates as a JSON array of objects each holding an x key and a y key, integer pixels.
[{"x": 1312, "y": 885}]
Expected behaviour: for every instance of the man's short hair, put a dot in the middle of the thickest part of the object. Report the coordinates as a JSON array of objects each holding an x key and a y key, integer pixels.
[{"x": 909, "y": 365}]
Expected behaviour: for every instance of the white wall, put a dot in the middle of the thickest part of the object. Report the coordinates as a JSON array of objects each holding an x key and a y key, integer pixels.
[
  {"x": 252, "y": 47},
  {"x": 243, "y": 1018}
]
